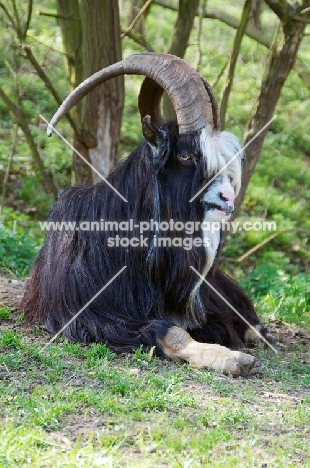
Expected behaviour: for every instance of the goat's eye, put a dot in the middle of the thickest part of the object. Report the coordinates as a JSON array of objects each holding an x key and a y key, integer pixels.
[{"x": 186, "y": 159}]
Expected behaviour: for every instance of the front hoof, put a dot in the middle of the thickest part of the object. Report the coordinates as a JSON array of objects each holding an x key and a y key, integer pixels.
[
  {"x": 239, "y": 364},
  {"x": 253, "y": 338}
]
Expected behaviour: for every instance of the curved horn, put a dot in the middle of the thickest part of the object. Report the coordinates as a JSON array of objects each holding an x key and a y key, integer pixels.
[
  {"x": 181, "y": 82},
  {"x": 151, "y": 94}
]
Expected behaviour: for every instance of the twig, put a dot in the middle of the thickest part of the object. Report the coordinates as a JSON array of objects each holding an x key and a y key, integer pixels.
[
  {"x": 261, "y": 37},
  {"x": 41, "y": 73},
  {"x": 265, "y": 241},
  {"x": 21, "y": 119},
  {"x": 199, "y": 32},
  {"x": 10, "y": 17},
  {"x": 8, "y": 168},
  {"x": 221, "y": 73},
  {"x": 245, "y": 15},
  {"x": 143, "y": 9},
  {"x": 18, "y": 28},
  {"x": 6, "y": 368},
  {"x": 29, "y": 36},
  {"x": 54, "y": 14},
  {"x": 28, "y": 18},
  {"x": 139, "y": 39}
]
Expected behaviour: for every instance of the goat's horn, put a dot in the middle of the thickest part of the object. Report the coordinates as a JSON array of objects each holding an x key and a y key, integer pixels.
[
  {"x": 150, "y": 96},
  {"x": 182, "y": 83}
]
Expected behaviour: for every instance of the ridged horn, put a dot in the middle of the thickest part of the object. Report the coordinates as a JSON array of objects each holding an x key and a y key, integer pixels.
[
  {"x": 150, "y": 97},
  {"x": 182, "y": 83}
]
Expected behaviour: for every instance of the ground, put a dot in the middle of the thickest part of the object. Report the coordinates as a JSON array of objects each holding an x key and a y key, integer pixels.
[{"x": 73, "y": 405}]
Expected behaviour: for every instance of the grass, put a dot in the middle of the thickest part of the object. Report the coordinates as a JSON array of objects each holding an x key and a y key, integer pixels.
[{"x": 74, "y": 405}]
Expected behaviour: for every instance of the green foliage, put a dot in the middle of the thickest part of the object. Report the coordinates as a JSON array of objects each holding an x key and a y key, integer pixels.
[
  {"x": 279, "y": 295},
  {"x": 98, "y": 352},
  {"x": 19, "y": 243},
  {"x": 10, "y": 339},
  {"x": 4, "y": 313}
]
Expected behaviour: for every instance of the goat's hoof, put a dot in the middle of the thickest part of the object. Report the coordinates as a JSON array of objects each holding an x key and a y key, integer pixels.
[
  {"x": 239, "y": 364},
  {"x": 254, "y": 338}
]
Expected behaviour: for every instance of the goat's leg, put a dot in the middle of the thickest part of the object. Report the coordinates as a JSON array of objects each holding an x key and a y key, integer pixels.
[
  {"x": 179, "y": 345},
  {"x": 242, "y": 303}
]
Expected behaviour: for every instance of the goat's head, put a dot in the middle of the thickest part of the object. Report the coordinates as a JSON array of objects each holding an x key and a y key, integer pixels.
[{"x": 188, "y": 155}]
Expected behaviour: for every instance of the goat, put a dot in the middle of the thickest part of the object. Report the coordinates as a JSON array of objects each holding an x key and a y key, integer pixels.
[{"x": 158, "y": 300}]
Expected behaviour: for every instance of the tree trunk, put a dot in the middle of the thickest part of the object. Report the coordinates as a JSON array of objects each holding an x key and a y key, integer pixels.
[
  {"x": 71, "y": 32},
  {"x": 91, "y": 37},
  {"x": 179, "y": 41},
  {"x": 281, "y": 63},
  {"x": 103, "y": 107}
]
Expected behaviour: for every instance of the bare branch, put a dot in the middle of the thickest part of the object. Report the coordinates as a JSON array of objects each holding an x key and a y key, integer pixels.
[
  {"x": 20, "y": 118},
  {"x": 8, "y": 14},
  {"x": 245, "y": 16},
  {"x": 266, "y": 241},
  {"x": 9, "y": 166},
  {"x": 141, "y": 12},
  {"x": 54, "y": 14},
  {"x": 199, "y": 32},
  {"x": 28, "y": 18},
  {"x": 18, "y": 29},
  {"x": 139, "y": 39},
  {"x": 41, "y": 73},
  {"x": 220, "y": 74},
  {"x": 261, "y": 37}
]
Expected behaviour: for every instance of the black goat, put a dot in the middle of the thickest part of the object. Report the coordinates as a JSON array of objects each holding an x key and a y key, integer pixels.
[{"x": 158, "y": 300}]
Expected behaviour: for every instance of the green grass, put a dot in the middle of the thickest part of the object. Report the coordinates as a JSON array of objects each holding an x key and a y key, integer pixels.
[{"x": 73, "y": 405}]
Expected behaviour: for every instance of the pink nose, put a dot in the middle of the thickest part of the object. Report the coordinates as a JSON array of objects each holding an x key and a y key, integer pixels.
[{"x": 228, "y": 195}]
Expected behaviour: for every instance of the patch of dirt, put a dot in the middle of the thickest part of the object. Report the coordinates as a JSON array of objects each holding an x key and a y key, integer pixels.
[
  {"x": 289, "y": 335},
  {"x": 11, "y": 292}
]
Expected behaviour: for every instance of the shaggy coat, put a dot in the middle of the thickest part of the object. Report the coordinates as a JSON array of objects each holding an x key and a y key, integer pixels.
[{"x": 158, "y": 289}]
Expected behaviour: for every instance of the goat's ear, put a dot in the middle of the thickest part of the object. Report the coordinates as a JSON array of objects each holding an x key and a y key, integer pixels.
[{"x": 153, "y": 135}]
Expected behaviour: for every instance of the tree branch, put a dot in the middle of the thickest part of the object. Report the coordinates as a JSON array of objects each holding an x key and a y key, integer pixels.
[
  {"x": 18, "y": 28},
  {"x": 266, "y": 241},
  {"x": 54, "y": 14},
  {"x": 139, "y": 39},
  {"x": 28, "y": 18},
  {"x": 245, "y": 16},
  {"x": 41, "y": 73},
  {"x": 277, "y": 6},
  {"x": 187, "y": 11},
  {"x": 21, "y": 120},
  {"x": 10, "y": 17},
  {"x": 8, "y": 168},
  {"x": 141, "y": 12},
  {"x": 259, "y": 36},
  {"x": 199, "y": 32}
]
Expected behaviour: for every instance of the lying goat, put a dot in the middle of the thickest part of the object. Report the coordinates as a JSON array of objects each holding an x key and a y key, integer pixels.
[{"x": 158, "y": 300}]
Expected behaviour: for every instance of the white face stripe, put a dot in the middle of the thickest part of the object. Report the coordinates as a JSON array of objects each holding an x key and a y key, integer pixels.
[{"x": 218, "y": 150}]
